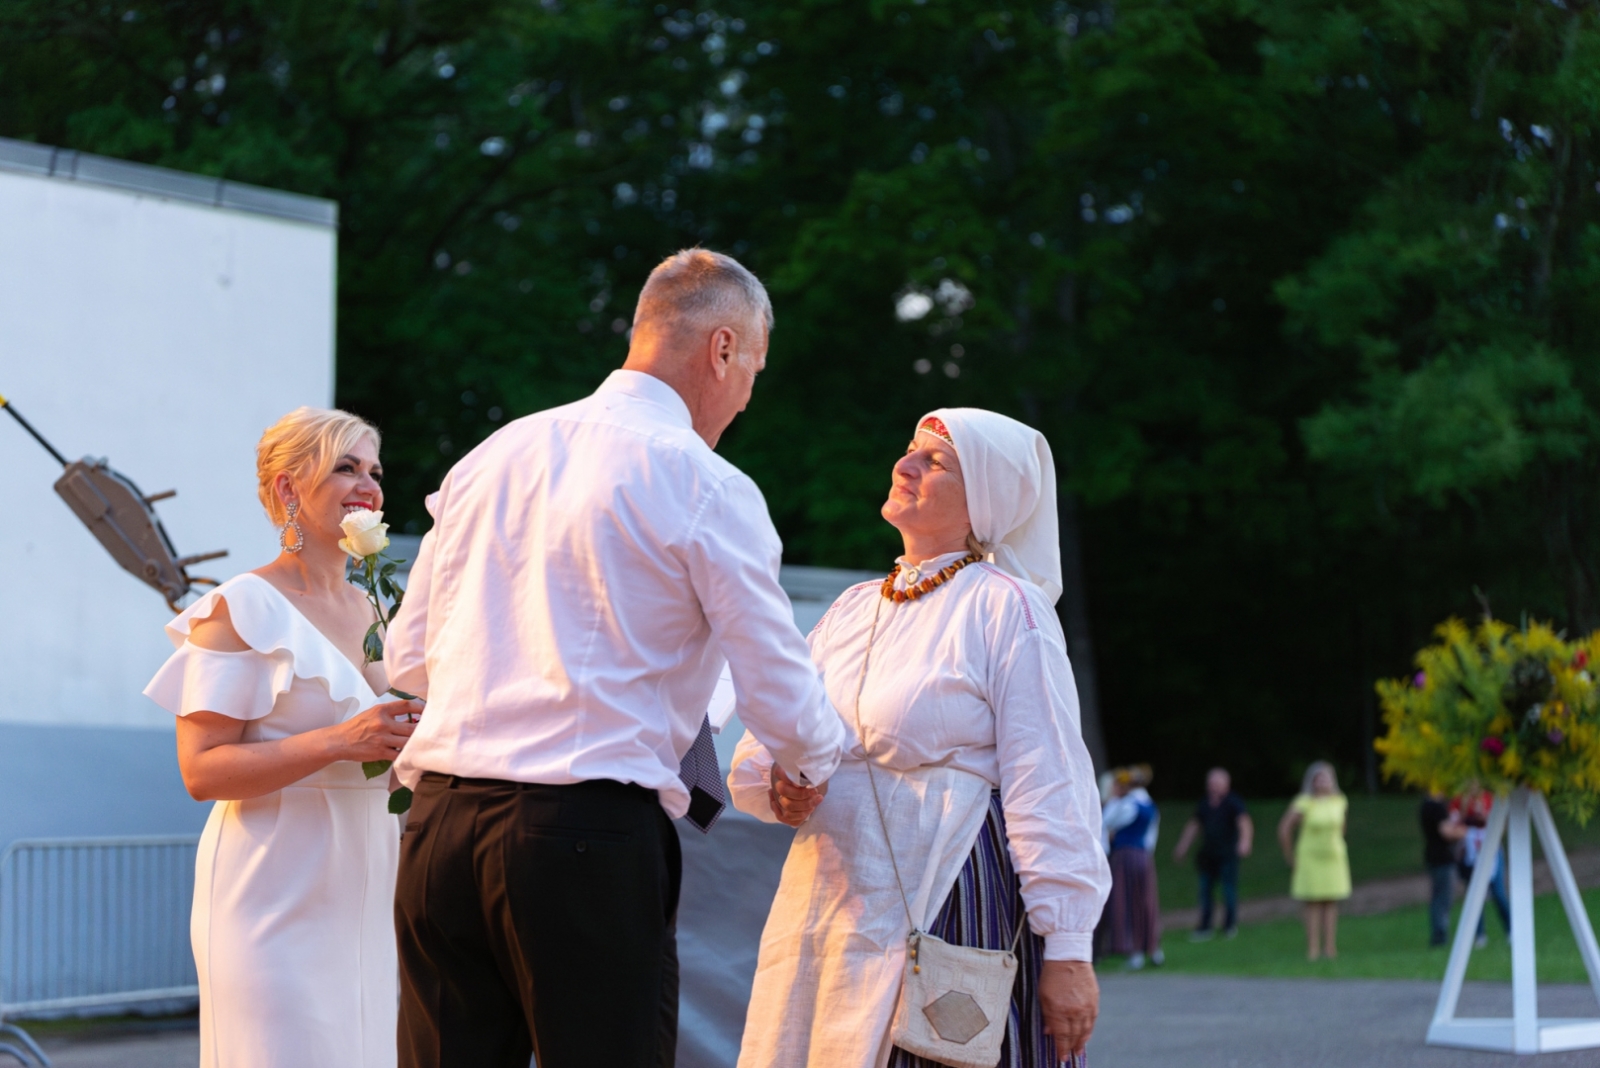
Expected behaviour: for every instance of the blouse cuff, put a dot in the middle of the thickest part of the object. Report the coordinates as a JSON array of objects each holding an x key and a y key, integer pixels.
[{"x": 1069, "y": 945}]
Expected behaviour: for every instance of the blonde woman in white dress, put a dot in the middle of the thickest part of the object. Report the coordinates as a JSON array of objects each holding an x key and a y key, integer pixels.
[
  {"x": 967, "y": 710},
  {"x": 292, "y": 925}
]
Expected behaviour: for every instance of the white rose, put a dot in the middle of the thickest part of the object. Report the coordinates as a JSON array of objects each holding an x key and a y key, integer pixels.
[{"x": 366, "y": 533}]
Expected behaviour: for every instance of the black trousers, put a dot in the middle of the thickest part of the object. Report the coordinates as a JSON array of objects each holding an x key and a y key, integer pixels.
[{"x": 537, "y": 920}]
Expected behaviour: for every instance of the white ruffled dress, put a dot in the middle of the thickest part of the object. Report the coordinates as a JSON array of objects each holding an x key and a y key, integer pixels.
[{"x": 293, "y": 921}]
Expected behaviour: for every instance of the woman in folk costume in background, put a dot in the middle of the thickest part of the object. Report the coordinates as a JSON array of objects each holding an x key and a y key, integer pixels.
[
  {"x": 955, "y": 669},
  {"x": 1131, "y": 926}
]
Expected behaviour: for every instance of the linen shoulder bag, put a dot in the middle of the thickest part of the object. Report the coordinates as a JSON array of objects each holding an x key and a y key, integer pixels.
[{"x": 954, "y": 1000}]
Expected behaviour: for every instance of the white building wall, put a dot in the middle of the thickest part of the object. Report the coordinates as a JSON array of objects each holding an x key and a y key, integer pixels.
[{"x": 165, "y": 335}]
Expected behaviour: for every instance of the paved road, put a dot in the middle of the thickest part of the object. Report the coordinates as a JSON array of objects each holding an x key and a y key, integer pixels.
[
  {"x": 1147, "y": 1021},
  {"x": 123, "y": 1048},
  {"x": 1181, "y": 1021}
]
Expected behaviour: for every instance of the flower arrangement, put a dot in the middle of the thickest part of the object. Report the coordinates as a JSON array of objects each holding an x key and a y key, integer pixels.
[
  {"x": 1500, "y": 707},
  {"x": 366, "y": 536}
]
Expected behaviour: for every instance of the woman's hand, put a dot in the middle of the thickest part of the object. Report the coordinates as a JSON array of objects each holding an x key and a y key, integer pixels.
[
  {"x": 379, "y": 733},
  {"x": 1286, "y": 828},
  {"x": 1069, "y": 994},
  {"x": 792, "y": 803}
]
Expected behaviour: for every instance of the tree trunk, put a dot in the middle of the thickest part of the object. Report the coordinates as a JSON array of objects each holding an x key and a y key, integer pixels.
[{"x": 1074, "y": 612}]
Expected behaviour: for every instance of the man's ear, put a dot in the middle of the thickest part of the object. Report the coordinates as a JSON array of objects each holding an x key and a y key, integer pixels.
[{"x": 724, "y": 350}]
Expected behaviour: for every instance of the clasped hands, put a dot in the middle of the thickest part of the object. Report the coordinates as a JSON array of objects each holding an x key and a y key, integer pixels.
[{"x": 792, "y": 803}]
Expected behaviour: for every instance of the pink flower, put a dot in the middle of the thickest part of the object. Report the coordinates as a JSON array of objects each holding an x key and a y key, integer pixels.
[
  {"x": 1556, "y": 736},
  {"x": 1492, "y": 745},
  {"x": 1420, "y": 679}
]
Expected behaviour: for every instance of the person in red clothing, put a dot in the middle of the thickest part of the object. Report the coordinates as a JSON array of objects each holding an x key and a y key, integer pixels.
[{"x": 1472, "y": 809}]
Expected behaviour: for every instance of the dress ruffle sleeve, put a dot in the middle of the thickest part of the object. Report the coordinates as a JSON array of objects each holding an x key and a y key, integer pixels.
[
  {"x": 246, "y": 684},
  {"x": 242, "y": 685}
]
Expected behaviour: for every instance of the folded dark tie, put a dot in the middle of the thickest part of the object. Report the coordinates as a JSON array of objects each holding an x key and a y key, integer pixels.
[{"x": 700, "y": 772}]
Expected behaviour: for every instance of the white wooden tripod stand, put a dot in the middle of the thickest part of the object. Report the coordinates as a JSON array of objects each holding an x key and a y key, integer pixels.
[{"x": 1525, "y": 1032}]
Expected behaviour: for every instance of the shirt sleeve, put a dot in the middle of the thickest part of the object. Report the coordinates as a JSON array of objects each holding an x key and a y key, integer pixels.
[
  {"x": 733, "y": 563},
  {"x": 1047, "y": 786},
  {"x": 1119, "y": 813},
  {"x": 748, "y": 781},
  {"x": 405, "y": 650}
]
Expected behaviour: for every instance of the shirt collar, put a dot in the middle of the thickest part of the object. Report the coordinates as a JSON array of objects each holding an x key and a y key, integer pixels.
[
  {"x": 649, "y": 388},
  {"x": 924, "y": 569}
]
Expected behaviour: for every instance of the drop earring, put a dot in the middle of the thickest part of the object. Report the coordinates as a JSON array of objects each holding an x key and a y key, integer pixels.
[{"x": 299, "y": 535}]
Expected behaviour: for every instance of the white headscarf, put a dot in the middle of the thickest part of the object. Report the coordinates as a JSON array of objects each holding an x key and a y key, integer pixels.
[{"x": 1011, "y": 491}]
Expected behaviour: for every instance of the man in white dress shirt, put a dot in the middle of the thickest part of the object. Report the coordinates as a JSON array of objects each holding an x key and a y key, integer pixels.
[{"x": 589, "y": 569}]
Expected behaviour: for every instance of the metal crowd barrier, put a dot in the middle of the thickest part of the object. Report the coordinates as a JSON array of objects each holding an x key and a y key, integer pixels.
[{"x": 91, "y": 923}]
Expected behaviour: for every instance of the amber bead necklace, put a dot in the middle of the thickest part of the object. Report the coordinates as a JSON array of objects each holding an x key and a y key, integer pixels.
[{"x": 927, "y": 585}]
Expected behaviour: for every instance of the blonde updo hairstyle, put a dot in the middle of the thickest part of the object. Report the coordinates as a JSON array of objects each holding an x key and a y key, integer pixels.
[{"x": 305, "y": 444}]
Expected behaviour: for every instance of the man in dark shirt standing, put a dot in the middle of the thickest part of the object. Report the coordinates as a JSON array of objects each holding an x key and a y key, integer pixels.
[
  {"x": 1226, "y": 834},
  {"x": 1441, "y": 831}
]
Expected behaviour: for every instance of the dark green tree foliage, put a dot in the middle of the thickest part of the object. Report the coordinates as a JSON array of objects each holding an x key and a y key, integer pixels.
[
  {"x": 1461, "y": 300},
  {"x": 1302, "y": 295},
  {"x": 505, "y": 172}
]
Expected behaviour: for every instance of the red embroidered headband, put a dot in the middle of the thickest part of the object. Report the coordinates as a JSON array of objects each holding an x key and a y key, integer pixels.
[{"x": 935, "y": 426}]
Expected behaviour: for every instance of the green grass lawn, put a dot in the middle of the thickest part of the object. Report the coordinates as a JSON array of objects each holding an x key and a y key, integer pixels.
[
  {"x": 1393, "y": 945},
  {"x": 1384, "y": 840}
]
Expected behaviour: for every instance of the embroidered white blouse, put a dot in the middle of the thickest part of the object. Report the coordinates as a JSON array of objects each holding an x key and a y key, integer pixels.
[{"x": 973, "y": 677}]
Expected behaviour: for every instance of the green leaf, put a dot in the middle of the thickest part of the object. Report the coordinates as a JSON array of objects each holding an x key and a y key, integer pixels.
[
  {"x": 372, "y": 647},
  {"x": 400, "y": 801},
  {"x": 373, "y": 768}
]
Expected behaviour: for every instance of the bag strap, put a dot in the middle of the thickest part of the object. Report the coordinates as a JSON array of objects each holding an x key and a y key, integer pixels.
[{"x": 877, "y": 803}]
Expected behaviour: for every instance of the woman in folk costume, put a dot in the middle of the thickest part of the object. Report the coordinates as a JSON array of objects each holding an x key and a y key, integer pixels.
[
  {"x": 977, "y": 820},
  {"x": 1131, "y": 926}
]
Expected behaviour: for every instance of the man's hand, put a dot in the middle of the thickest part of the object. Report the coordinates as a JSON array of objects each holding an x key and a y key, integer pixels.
[
  {"x": 792, "y": 803},
  {"x": 1186, "y": 839},
  {"x": 1070, "y": 997}
]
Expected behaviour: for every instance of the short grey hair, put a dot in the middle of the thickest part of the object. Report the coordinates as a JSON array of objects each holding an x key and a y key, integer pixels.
[{"x": 698, "y": 287}]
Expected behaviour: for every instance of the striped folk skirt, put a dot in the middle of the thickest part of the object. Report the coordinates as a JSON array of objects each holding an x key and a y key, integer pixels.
[
  {"x": 982, "y": 910},
  {"x": 1131, "y": 922}
]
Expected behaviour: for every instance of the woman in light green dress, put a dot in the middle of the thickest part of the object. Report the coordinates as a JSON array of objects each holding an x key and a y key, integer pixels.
[{"x": 1318, "y": 858}]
